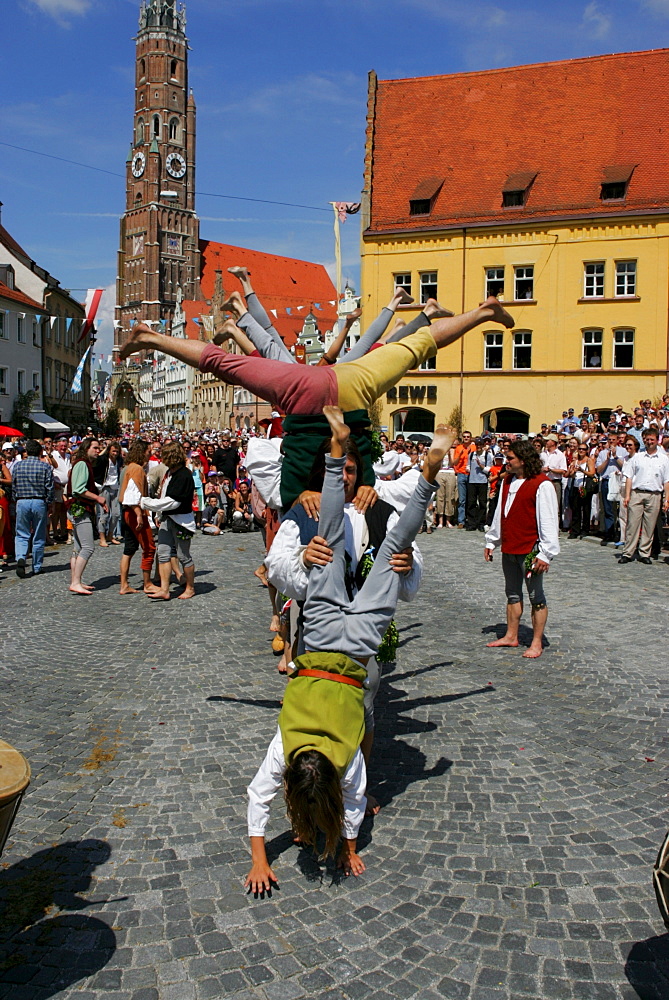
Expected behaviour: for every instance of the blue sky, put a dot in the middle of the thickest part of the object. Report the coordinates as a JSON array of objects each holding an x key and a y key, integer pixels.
[{"x": 280, "y": 87}]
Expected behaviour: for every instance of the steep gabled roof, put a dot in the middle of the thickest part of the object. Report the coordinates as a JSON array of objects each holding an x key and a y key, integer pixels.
[
  {"x": 16, "y": 296},
  {"x": 574, "y": 124},
  {"x": 11, "y": 244},
  {"x": 280, "y": 282}
]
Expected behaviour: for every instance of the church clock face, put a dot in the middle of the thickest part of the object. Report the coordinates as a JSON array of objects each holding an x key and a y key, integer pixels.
[
  {"x": 176, "y": 165},
  {"x": 138, "y": 164}
]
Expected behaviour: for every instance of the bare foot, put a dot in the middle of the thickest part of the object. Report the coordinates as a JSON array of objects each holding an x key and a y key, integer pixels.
[
  {"x": 242, "y": 273},
  {"x": 504, "y": 641},
  {"x": 234, "y": 304},
  {"x": 135, "y": 341},
  {"x": 151, "y": 589},
  {"x": 497, "y": 313},
  {"x": 158, "y": 595},
  {"x": 533, "y": 652},
  {"x": 104, "y": 543},
  {"x": 128, "y": 590},
  {"x": 340, "y": 431},
  {"x": 275, "y": 624},
  {"x": 78, "y": 589},
  {"x": 261, "y": 573},
  {"x": 372, "y": 808},
  {"x": 187, "y": 594},
  {"x": 352, "y": 316},
  {"x": 282, "y": 665},
  {"x": 433, "y": 310},
  {"x": 115, "y": 541},
  {"x": 401, "y": 296},
  {"x": 228, "y": 330},
  {"x": 441, "y": 443}
]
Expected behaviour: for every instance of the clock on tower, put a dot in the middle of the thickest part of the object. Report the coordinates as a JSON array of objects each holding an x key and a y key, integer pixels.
[{"x": 159, "y": 243}]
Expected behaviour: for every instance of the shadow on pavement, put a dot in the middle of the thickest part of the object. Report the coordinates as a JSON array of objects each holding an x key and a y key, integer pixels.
[
  {"x": 647, "y": 968},
  {"x": 43, "y": 952},
  {"x": 525, "y": 634}
]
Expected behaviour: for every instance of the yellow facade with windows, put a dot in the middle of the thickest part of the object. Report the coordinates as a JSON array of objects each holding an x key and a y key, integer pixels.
[{"x": 590, "y": 302}]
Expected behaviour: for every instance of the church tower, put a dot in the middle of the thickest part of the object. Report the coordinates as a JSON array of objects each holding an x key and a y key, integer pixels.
[{"x": 159, "y": 245}]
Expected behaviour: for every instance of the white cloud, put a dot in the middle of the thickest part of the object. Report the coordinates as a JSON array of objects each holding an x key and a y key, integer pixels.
[
  {"x": 595, "y": 21},
  {"x": 61, "y": 9},
  {"x": 659, "y": 7},
  {"x": 294, "y": 96}
]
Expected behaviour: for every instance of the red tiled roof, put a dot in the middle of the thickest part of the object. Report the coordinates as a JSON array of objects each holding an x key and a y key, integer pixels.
[
  {"x": 280, "y": 282},
  {"x": 571, "y": 123},
  {"x": 11, "y": 243},
  {"x": 16, "y": 296},
  {"x": 193, "y": 310}
]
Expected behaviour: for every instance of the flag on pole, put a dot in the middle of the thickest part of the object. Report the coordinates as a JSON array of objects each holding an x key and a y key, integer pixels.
[
  {"x": 341, "y": 209},
  {"x": 93, "y": 296},
  {"x": 76, "y": 381}
]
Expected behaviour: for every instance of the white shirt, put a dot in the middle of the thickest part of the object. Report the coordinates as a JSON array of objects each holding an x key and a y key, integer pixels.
[
  {"x": 647, "y": 472},
  {"x": 285, "y": 564},
  {"x": 547, "y": 520},
  {"x": 269, "y": 779},
  {"x": 554, "y": 461},
  {"x": 62, "y": 469}
]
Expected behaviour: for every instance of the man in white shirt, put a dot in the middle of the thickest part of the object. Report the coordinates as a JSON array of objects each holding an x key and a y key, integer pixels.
[
  {"x": 61, "y": 471},
  {"x": 609, "y": 462},
  {"x": 554, "y": 465},
  {"x": 388, "y": 466},
  {"x": 647, "y": 480},
  {"x": 525, "y": 524}
]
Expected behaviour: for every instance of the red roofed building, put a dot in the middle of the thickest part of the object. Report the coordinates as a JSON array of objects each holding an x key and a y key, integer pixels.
[{"x": 546, "y": 185}]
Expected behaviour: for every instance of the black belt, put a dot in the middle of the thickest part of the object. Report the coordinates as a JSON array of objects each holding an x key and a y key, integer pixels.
[{"x": 655, "y": 493}]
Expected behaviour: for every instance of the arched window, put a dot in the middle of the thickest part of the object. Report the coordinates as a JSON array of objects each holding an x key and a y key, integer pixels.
[
  {"x": 142, "y": 69},
  {"x": 138, "y": 199},
  {"x": 139, "y": 132},
  {"x": 173, "y": 69},
  {"x": 174, "y": 130},
  {"x": 156, "y": 126}
]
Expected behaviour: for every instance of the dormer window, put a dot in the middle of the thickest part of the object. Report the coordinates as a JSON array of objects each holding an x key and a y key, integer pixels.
[
  {"x": 425, "y": 195},
  {"x": 614, "y": 192},
  {"x": 614, "y": 182},
  {"x": 516, "y": 189}
]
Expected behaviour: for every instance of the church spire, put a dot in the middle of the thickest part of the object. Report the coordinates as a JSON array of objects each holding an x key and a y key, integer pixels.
[{"x": 162, "y": 14}]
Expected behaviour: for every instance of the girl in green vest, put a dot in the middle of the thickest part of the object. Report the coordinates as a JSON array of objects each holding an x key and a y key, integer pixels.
[{"x": 316, "y": 751}]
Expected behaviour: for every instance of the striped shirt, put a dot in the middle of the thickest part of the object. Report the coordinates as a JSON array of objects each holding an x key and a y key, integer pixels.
[{"x": 32, "y": 480}]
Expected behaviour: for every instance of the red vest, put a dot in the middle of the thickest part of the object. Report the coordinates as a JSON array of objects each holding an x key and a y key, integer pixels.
[{"x": 520, "y": 530}]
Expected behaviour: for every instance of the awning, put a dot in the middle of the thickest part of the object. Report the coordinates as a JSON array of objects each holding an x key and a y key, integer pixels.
[{"x": 48, "y": 423}]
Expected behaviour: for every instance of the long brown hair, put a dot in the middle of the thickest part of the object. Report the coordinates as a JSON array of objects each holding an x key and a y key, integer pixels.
[
  {"x": 81, "y": 454},
  {"x": 314, "y": 799},
  {"x": 531, "y": 460},
  {"x": 137, "y": 452},
  {"x": 173, "y": 455}
]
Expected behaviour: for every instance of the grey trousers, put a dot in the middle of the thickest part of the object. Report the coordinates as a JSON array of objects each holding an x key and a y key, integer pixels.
[
  {"x": 82, "y": 531},
  {"x": 375, "y": 330},
  {"x": 168, "y": 542},
  {"x": 331, "y": 621},
  {"x": 264, "y": 338},
  {"x": 411, "y": 327}
]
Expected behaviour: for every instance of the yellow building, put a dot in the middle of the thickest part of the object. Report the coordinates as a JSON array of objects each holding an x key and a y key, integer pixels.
[{"x": 561, "y": 209}]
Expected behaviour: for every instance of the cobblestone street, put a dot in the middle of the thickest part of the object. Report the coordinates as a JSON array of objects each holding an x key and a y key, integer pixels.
[{"x": 523, "y": 802}]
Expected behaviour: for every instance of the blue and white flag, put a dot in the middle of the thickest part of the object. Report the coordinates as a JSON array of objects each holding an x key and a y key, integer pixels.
[{"x": 76, "y": 381}]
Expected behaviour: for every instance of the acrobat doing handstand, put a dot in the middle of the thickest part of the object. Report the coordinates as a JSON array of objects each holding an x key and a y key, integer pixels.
[{"x": 316, "y": 751}]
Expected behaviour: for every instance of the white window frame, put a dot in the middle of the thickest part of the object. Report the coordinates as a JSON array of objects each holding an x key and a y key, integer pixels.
[
  {"x": 36, "y": 381},
  {"x": 402, "y": 280},
  {"x": 429, "y": 365},
  {"x": 625, "y": 279},
  {"x": 522, "y": 338},
  {"x": 428, "y": 279},
  {"x": 20, "y": 330},
  {"x": 20, "y": 372},
  {"x": 588, "y": 339},
  {"x": 623, "y": 337},
  {"x": 498, "y": 275},
  {"x": 592, "y": 278},
  {"x": 493, "y": 340},
  {"x": 523, "y": 272},
  {"x": 4, "y": 380}
]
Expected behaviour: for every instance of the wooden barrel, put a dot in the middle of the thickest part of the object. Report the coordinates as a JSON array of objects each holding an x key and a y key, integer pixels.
[{"x": 14, "y": 779}]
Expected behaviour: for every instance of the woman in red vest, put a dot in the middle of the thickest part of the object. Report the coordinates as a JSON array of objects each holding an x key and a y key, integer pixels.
[{"x": 526, "y": 527}]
